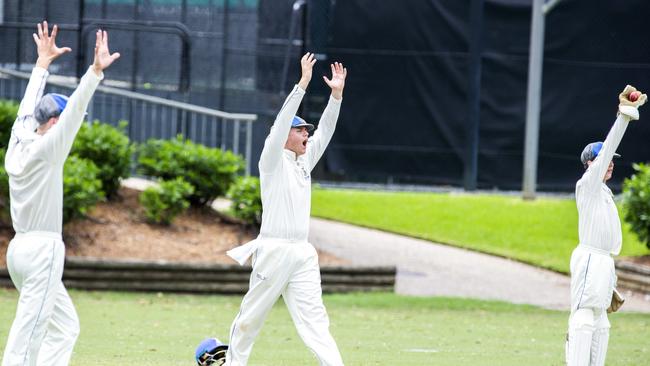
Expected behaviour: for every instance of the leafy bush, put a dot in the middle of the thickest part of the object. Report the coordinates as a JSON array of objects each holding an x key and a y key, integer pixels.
[
  {"x": 109, "y": 148},
  {"x": 636, "y": 202},
  {"x": 164, "y": 202},
  {"x": 8, "y": 112},
  {"x": 210, "y": 171},
  {"x": 5, "y": 214},
  {"x": 246, "y": 199},
  {"x": 82, "y": 188}
]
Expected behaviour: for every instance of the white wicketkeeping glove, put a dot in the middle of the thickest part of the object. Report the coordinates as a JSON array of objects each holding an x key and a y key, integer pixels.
[{"x": 628, "y": 107}]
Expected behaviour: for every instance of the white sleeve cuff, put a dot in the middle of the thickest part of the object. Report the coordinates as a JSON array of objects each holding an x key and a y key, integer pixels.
[
  {"x": 92, "y": 73},
  {"x": 629, "y": 111}
]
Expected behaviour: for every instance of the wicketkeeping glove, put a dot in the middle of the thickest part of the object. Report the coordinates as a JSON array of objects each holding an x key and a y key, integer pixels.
[{"x": 626, "y": 106}]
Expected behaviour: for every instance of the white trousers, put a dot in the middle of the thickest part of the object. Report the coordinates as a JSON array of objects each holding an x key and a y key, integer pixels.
[
  {"x": 46, "y": 325},
  {"x": 593, "y": 280},
  {"x": 290, "y": 270}
]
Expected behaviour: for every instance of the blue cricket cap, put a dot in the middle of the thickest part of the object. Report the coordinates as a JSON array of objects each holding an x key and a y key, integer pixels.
[
  {"x": 298, "y": 122},
  {"x": 209, "y": 348},
  {"x": 51, "y": 105},
  {"x": 591, "y": 151}
]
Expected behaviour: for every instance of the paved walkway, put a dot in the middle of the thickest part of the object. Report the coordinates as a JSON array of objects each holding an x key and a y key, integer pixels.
[{"x": 429, "y": 269}]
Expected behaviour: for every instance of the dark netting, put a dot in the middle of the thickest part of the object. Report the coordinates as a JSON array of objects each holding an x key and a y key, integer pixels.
[{"x": 405, "y": 115}]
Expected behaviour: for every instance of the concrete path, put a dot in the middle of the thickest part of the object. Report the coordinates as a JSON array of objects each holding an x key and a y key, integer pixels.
[{"x": 429, "y": 269}]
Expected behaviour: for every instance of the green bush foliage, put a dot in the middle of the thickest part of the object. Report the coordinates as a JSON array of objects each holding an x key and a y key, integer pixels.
[
  {"x": 166, "y": 201},
  {"x": 5, "y": 215},
  {"x": 636, "y": 202},
  {"x": 82, "y": 188},
  {"x": 246, "y": 199},
  {"x": 8, "y": 112},
  {"x": 109, "y": 148},
  {"x": 210, "y": 171}
]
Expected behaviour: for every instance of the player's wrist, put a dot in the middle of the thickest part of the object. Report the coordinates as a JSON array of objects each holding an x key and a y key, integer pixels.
[{"x": 43, "y": 62}]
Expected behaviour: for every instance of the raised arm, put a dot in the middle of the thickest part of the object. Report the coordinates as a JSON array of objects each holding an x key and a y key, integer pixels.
[
  {"x": 47, "y": 51},
  {"x": 628, "y": 110},
  {"x": 274, "y": 144},
  {"x": 57, "y": 142},
  {"x": 327, "y": 123}
]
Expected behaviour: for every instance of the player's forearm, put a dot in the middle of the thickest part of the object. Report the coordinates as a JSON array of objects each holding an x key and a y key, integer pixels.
[
  {"x": 274, "y": 144},
  {"x": 600, "y": 165},
  {"x": 33, "y": 92},
  {"x": 325, "y": 131},
  {"x": 303, "y": 83},
  {"x": 327, "y": 122},
  {"x": 62, "y": 135}
]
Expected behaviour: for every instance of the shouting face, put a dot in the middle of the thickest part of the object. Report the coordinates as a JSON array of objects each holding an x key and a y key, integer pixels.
[{"x": 297, "y": 140}]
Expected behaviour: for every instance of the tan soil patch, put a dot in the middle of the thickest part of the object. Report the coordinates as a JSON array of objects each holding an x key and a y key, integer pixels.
[{"x": 117, "y": 230}]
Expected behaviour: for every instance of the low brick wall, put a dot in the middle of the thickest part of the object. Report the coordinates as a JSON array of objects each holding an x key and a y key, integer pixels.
[
  {"x": 159, "y": 276},
  {"x": 633, "y": 276}
]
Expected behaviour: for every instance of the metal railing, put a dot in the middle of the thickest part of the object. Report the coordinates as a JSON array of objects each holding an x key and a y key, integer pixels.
[{"x": 151, "y": 117}]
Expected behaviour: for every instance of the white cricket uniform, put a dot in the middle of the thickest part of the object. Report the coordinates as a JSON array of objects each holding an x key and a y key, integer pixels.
[
  {"x": 46, "y": 325},
  {"x": 592, "y": 268},
  {"x": 284, "y": 262}
]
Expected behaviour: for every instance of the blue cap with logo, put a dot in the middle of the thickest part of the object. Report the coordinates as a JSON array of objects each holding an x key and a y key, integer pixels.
[
  {"x": 591, "y": 151},
  {"x": 298, "y": 122}
]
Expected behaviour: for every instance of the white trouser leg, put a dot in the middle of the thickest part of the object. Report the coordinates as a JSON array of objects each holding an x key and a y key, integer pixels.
[
  {"x": 35, "y": 266},
  {"x": 600, "y": 339},
  {"x": 268, "y": 280},
  {"x": 581, "y": 330},
  {"x": 303, "y": 297},
  {"x": 62, "y": 331}
]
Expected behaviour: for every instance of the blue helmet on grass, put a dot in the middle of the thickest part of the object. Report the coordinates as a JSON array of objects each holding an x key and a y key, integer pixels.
[{"x": 211, "y": 352}]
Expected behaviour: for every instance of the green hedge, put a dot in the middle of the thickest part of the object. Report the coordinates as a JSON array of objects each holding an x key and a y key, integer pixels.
[
  {"x": 210, "y": 171},
  {"x": 246, "y": 200},
  {"x": 82, "y": 188},
  {"x": 109, "y": 148},
  {"x": 164, "y": 202},
  {"x": 636, "y": 202},
  {"x": 8, "y": 112}
]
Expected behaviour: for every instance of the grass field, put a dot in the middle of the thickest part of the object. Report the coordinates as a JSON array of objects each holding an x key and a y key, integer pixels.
[
  {"x": 541, "y": 232},
  {"x": 371, "y": 329}
]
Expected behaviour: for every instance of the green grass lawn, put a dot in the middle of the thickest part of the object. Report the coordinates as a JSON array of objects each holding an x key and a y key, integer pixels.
[
  {"x": 541, "y": 232},
  {"x": 371, "y": 329}
]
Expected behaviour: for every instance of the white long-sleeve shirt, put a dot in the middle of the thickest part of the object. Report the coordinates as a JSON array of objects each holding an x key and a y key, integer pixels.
[
  {"x": 599, "y": 225},
  {"x": 34, "y": 162},
  {"x": 285, "y": 178}
]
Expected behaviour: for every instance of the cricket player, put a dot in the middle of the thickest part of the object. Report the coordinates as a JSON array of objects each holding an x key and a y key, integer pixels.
[
  {"x": 284, "y": 262},
  {"x": 46, "y": 325},
  {"x": 592, "y": 268}
]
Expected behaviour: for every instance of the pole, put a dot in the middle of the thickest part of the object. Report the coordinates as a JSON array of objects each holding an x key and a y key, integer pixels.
[
  {"x": 533, "y": 101},
  {"x": 474, "y": 94}
]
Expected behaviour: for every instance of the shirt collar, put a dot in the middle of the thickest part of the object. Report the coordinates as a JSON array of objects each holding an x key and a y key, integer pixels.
[{"x": 290, "y": 154}]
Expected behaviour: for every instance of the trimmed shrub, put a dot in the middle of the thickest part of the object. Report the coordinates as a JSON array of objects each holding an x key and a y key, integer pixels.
[
  {"x": 109, "y": 148},
  {"x": 5, "y": 214},
  {"x": 166, "y": 201},
  {"x": 82, "y": 188},
  {"x": 246, "y": 199},
  {"x": 636, "y": 202},
  {"x": 8, "y": 112},
  {"x": 210, "y": 171}
]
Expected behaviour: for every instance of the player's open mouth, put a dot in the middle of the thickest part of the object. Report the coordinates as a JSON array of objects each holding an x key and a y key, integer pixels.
[{"x": 304, "y": 143}]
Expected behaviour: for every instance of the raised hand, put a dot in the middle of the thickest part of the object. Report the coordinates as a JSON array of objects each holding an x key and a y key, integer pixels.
[
  {"x": 306, "y": 65},
  {"x": 624, "y": 97},
  {"x": 46, "y": 46},
  {"x": 103, "y": 57},
  {"x": 337, "y": 82}
]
